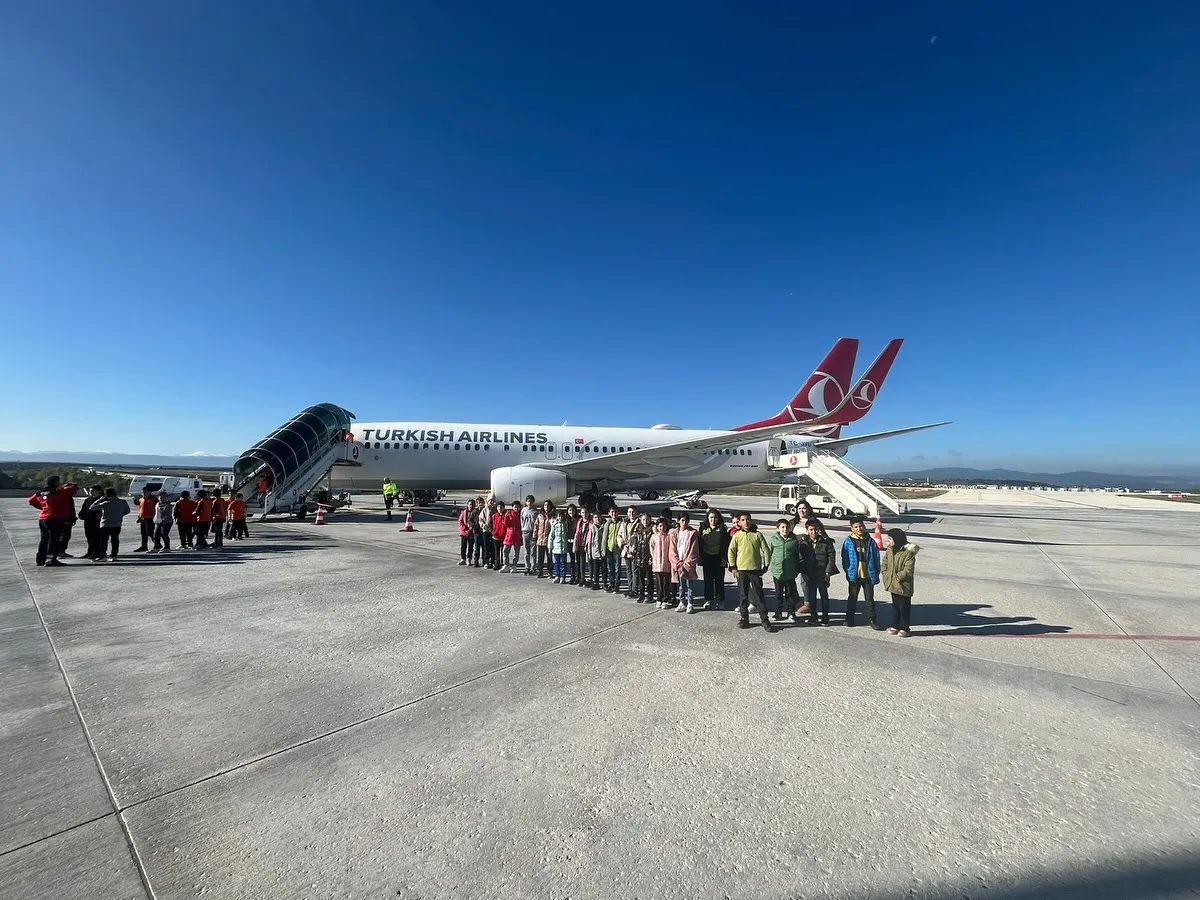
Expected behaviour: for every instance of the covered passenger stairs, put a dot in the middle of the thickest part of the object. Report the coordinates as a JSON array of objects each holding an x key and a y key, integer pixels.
[
  {"x": 292, "y": 460},
  {"x": 854, "y": 489}
]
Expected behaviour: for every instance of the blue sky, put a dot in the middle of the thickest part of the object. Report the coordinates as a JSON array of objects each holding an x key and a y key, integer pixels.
[{"x": 213, "y": 215}]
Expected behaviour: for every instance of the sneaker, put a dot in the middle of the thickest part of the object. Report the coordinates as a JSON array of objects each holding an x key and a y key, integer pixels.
[
  {"x": 824, "y": 620},
  {"x": 791, "y": 617},
  {"x": 53, "y": 562},
  {"x": 682, "y": 607},
  {"x": 112, "y": 558},
  {"x": 768, "y": 627},
  {"x": 139, "y": 549},
  {"x": 778, "y": 615},
  {"x": 875, "y": 626},
  {"x": 743, "y": 623},
  {"x": 708, "y": 604},
  {"x": 462, "y": 562},
  {"x": 905, "y": 633},
  {"x": 66, "y": 554},
  {"x": 658, "y": 605},
  {"x": 893, "y": 631},
  {"x": 691, "y": 609}
]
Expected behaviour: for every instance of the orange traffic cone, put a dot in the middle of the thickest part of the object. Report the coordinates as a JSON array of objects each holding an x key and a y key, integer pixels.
[
  {"x": 408, "y": 525},
  {"x": 878, "y": 535},
  {"x": 320, "y": 519}
]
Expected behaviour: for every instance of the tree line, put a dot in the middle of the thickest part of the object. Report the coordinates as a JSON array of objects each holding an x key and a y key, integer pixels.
[{"x": 34, "y": 477}]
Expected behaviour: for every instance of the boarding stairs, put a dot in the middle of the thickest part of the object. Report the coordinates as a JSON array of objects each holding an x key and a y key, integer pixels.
[
  {"x": 852, "y": 488},
  {"x": 294, "y": 458}
]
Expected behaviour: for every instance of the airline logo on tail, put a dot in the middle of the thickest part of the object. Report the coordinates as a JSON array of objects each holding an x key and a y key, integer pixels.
[
  {"x": 828, "y": 387},
  {"x": 824, "y": 390}
]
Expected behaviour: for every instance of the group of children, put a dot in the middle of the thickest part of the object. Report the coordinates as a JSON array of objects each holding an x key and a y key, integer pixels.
[
  {"x": 655, "y": 560},
  {"x": 103, "y": 513}
]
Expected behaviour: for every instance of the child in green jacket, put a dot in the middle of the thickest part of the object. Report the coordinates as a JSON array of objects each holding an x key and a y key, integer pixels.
[
  {"x": 785, "y": 569},
  {"x": 899, "y": 569}
]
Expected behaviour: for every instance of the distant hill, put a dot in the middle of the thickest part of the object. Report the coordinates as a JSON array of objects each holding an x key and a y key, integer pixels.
[
  {"x": 1082, "y": 479},
  {"x": 100, "y": 460}
]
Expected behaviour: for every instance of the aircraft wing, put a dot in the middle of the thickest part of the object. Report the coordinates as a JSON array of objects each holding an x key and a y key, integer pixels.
[
  {"x": 672, "y": 457},
  {"x": 682, "y": 454},
  {"x": 843, "y": 443}
]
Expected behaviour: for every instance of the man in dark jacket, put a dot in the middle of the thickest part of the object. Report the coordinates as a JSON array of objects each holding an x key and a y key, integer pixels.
[
  {"x": 91, "y": 520},
  {"x": 66, "y": 535}
]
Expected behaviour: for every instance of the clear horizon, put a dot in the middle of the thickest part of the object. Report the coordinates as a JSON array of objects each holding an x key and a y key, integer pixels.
[{"x": 607, "y": 214}]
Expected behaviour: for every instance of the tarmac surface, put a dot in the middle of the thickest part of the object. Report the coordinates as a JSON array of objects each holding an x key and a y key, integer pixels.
[{"x": 342, "y": 711}]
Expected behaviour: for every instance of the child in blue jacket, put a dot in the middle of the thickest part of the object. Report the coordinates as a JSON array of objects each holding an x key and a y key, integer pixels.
[{"x": 860, "y": 562}]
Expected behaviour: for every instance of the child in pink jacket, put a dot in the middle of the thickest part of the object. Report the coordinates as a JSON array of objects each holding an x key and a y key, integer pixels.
[
  {"x": 660, "y": 563},
  {"x": 684, "y": 546}
]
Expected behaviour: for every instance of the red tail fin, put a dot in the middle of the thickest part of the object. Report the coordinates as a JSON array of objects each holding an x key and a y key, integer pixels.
[
  {"x": 824, "y": 390},
  {"x": 866, "y": 389}
]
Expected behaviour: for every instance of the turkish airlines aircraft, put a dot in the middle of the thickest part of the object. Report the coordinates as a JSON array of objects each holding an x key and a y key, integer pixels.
[{"x": 558, "y": 462}]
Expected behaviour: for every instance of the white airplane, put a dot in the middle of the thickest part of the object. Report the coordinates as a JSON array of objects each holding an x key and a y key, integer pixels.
[{"x": 558, "y": 462}]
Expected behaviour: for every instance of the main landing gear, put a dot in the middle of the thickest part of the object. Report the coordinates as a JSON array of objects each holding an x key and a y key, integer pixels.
[{"x": 597, "y": 502}]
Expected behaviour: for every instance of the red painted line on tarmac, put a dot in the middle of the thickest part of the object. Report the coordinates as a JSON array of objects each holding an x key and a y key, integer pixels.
[{"x": 1091, "y": 637}]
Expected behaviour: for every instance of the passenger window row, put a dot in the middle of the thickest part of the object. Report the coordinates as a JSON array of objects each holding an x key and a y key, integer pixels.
[{"x": 524, "y": 449}]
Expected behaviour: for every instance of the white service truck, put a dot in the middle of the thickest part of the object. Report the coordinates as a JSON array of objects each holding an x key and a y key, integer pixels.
[
  {"x": 822, "y": 504},
  {"x": 172, "y": 484}
]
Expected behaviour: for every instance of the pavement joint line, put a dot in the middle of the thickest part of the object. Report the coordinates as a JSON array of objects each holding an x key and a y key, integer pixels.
[
  {"x": 1101, "y": 696},
  {"x": 387, "y": 712},
  {"x": 1137, "y": 640},
  {"x": 1080, "y": 636},
  {"x": 87, "y": 734},
  {"x": 54, "y": 834}
]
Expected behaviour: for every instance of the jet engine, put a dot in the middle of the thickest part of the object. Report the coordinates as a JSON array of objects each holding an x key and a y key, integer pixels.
[{"x": 513, "y": 483}]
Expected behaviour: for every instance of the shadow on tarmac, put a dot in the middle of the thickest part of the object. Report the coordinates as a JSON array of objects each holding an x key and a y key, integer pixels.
[
  {"x": 961, "y": 621},
  {"x": 954, "y": 514},
  {"x": 974, "y": 539},
  {"x": 1171, "y": 875},
  {"x": 232, "y": 553}
]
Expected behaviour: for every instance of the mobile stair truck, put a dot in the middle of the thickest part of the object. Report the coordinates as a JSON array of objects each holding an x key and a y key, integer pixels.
[
  {"x": 845, "y": 490},
  {"x": 292, "y": 460}
]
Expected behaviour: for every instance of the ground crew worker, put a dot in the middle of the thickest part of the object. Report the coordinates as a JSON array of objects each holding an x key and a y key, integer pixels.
[
  {"x": 219, "y": 508},
  {"x": 145, "y": 518},
  {"x": 185, "y": 518},
  {"x": 54, "y": 511},
  {"x": 204, "y": 514},
  {"x": 390, "y": 494}
]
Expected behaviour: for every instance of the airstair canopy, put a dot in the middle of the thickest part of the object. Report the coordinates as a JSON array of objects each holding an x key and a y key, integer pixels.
[{"x": 289, "y": 448}]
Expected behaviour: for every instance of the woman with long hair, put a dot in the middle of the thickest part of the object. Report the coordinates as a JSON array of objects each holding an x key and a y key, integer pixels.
[{"x": 714, "y": 547}]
